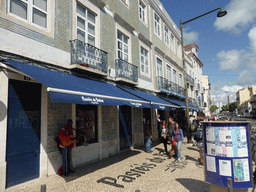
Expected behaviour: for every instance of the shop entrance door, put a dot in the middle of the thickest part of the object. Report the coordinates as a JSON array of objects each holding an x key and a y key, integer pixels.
[
  {"x": 125, "y": 127},
  {"x": 23, "y": 134}
]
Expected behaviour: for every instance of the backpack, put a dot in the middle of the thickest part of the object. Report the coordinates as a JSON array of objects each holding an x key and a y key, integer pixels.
[
  {"x": 199, "y": 134},
  {"x": 193, "y": 126}
]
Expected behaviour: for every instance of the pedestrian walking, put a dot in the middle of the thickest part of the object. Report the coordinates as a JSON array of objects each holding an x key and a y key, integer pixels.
[
  {"x": 177, "y": 139},
  {"x": 199, "y": 144},
  {"x": 171, "y": 127},
  {"x": 164, "y": 137}
]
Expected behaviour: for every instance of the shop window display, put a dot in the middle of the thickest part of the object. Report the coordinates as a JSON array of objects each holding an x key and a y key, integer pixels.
[{"x": 86, "y": 124}]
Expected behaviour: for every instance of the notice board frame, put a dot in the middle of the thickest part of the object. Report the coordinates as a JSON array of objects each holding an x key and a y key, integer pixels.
[{"x": 215, "y": 177}]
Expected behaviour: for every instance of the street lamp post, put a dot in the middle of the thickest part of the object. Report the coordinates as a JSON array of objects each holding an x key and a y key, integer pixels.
[{"x": 220, "y": 13}]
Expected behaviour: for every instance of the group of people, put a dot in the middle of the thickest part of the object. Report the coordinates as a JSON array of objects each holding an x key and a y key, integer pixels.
[
  {"x": 168, "y": 132},
  {"x": 171, "y": 132}
]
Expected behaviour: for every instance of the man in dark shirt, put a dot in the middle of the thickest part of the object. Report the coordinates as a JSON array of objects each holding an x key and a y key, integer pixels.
[{"x": 171, "y": 127}]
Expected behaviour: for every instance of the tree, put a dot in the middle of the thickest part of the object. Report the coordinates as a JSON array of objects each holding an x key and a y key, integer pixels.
[
  {"x": 225, "y": 108},
  {"x": 214, "y": 108},
  {"x": 232, "y": 106}
]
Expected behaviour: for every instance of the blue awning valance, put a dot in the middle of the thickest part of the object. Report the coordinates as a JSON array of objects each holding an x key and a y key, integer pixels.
[
  {"x": 155, "y": 101},
  {"x": 69, "y": 88}
]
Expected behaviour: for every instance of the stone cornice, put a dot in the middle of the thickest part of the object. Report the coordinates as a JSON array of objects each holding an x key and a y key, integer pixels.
[
  {"x": 173, "y": 62},
  {"x": 159, "y": 51},
  {"x": 99, "y": 3},
  {"x": 144, "y": 39},
  {"x": 124, "y": 23}
]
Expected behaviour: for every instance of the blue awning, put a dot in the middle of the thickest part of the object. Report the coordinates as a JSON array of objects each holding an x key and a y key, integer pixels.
[
  {"x": 69, "y": 88},
  {"x": 182, "y": 104},
  {"x": 154, "y": 100}
]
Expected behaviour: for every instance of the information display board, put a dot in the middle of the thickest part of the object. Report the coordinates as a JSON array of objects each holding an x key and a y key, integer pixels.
[{"x": 227, "y": 153}]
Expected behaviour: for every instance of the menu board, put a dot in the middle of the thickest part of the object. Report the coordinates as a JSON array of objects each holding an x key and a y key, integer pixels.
[
  {"x": 226, "y": 141},
  {"x": 227, "y": 154}
]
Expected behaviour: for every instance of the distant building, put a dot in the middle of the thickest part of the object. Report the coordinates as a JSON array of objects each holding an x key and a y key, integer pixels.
[
  {"x": 206, "y": 95},
  {"x": 243, "y": 98}
]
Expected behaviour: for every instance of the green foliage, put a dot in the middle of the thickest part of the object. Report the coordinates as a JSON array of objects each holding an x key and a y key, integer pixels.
[
  {"x": 231, "y": 107},
  {"x": 214, "y": 108}
]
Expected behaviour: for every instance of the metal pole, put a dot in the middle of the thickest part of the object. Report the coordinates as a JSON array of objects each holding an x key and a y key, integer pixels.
[
  {"x": 200, "y": 16},
  {"x": 185, "y": 85},
  {"x": 230, "y": 184}
]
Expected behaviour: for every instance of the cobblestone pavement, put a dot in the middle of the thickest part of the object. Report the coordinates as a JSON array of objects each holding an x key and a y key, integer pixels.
[{"x": 133, "y": 170}]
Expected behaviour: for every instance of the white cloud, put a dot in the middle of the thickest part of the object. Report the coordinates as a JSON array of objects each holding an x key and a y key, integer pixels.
[
  {"x": 245, "y": 78},
  {"x": 221, "y": 93},
  {"x": 230, "y": 60},
  {"x": 232, "y": 89},
  {"x": 252, "y": 37},
  {"x": 241, "y": 13},
  {"x": 190, "y": 37}
]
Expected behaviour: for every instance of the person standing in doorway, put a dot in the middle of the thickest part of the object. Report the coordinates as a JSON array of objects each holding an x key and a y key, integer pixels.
[
  {"x": 159, "y": 128},
  {"x": 178, "y": 137},
  {"x": 148, "y": 136},
  {"x": 67, "y": 142},
  {"x": 171, "y": 127}
]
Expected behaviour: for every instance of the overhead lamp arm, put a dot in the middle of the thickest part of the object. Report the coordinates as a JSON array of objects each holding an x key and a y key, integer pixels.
[{"x": 201, "y": 16}]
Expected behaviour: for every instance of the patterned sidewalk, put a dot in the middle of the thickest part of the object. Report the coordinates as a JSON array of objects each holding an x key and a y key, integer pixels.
[{"x": 132, "y": 170}]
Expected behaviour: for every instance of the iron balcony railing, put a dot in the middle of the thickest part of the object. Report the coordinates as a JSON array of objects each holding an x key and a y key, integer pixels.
[
  {"x": 126, "y": 70},
  {"x": 190, "y": 79},
  {"x": 192, "y": 101},
  {"x": 198, "y": 86},
  {"x": 88, "y": 56},
  {"x": 164, "y": 84}
]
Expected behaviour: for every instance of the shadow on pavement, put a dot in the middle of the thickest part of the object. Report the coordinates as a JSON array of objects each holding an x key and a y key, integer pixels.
[
  {"x": 190, "y": 158},
  {"x": 194, "y": 185},
  {"x": 194, "y": 149},
  {"x": 94, "y": 166}
]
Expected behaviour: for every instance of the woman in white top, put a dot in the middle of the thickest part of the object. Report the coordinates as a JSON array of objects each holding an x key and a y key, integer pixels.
[{"x": 164, "y": 137}]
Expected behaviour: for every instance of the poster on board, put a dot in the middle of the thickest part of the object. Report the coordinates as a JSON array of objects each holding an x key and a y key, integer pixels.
[{"x": 227, "y": 154}]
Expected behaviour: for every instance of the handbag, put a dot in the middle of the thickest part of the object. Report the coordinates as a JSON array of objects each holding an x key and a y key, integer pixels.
[{"x": 173, "y": 141}]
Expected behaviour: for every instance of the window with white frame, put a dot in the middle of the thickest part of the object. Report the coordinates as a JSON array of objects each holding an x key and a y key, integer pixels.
[
  {"x": 172, "y": 42},
  {"x": 122, "y": 46},
  {"x": 166, "y": 35},
  {"x": 142, "y": 11},
  {"x": 33, "y": 11},
  {"x": 159, "y": 68},
  {"x": 157, "y": 24},
  {"x": 86, "y": 24},
  {"x": 174, "y": 76},
  {"x": 169, "y": 72},
  {"x": 180, "y": 80},
  {"x": 144, "y": 61}
]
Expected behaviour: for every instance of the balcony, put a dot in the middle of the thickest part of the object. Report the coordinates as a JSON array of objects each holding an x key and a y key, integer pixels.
[
  {"x": 169, "y": 87},
  {"x": 192, "y": 101},
  {"x": 87, "y": 57},
  {"x": 190, "y": 79},
  {"x": 253, "y": 98},
  {"x": 126, "y": 72},
  {"x": 197, "y": 86}
]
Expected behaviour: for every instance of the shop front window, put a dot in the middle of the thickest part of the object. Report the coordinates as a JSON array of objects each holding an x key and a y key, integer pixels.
[{"x": 86, "y": 124}]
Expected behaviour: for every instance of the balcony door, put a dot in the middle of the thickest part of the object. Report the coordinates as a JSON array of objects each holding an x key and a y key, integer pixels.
[{"x": 159, "y": 68}]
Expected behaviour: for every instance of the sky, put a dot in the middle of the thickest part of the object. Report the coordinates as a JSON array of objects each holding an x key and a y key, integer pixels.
[{"x": 227, "y": 45}]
